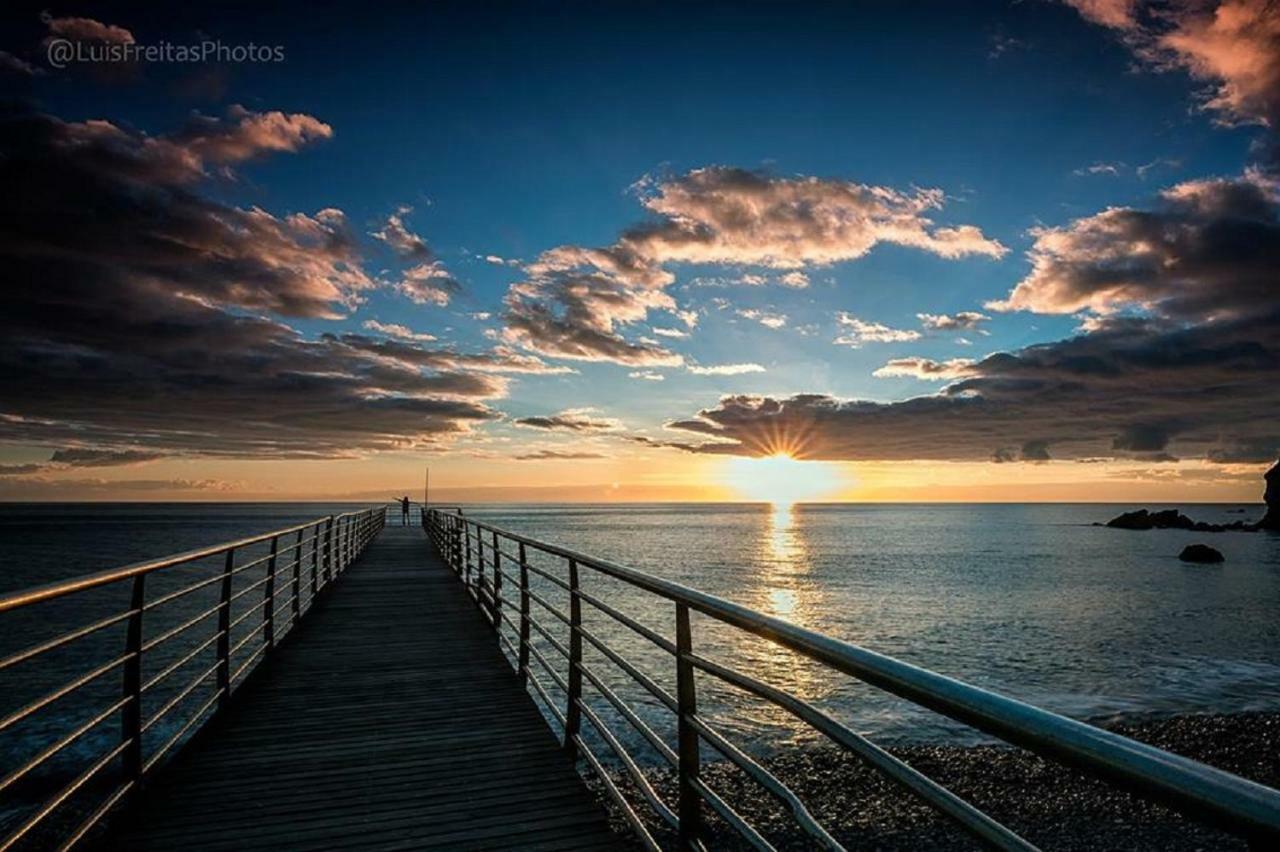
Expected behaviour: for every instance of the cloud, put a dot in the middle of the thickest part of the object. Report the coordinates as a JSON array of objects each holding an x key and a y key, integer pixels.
[
  {"x": 647, "y": 375},
  {"x": 725, "y": 369},
  {"x": 80, "y": 457},
  {"x": 1209, "y": 248},
  {"x": 1131, "y": 387},
  {"x": 576, "y": 301},
  {"x": 429, "y": 284},
  {"x": 925, "y": 368},
  {"x": 246, "y": 135},
  {"x": 112, "y": 210},
  {"x": 1112, "y": 169},
  {"x": 1159, "y": 162},
  {"x": 401, "y": 240},
  {"x": 501, "y": 359},
  {"x": 426, "y": 281},
  {"x": 796, "y": 280},
  {"x": 861, "y": 332},
  {"x": 38, "y": 489},
  {"x": 20, "y": 469},
  {"x": 572, "y": 420},
  {"x": 962, "y": 321},
  {"x": 139, "y": 311},
  {"x": 1233, "y": 46},
  {"x": 86, "y": 29},
  {"x": 727, "y": 215},
  {"x": 765, "y": 318},
  {"x": 557, "y": 455},
  {"x": 671, "y": 332},
  {"x": 396, "y": 330}
]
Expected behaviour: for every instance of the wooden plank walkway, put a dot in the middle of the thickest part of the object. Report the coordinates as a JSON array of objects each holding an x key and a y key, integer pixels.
[{"x": 389, "y": 719}]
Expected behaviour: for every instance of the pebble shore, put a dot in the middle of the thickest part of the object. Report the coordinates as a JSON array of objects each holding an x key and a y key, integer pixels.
[{"x": 1053, "y": 807}]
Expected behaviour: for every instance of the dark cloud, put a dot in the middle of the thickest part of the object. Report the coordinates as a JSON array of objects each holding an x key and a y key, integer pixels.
[
  {"x": 1208, "y": 249},
  {"x": 549, "y": 455},
  {"x": 54, "y": 489},
  {"x": 1036, "y": 451},
  {"x": 80, "y": 457},
  {"x": 135, "y": 306},
  {"x": 1132, "y": 387},
  {"x": 85, "y": 29},
  {"x": 572, "y": 420}
]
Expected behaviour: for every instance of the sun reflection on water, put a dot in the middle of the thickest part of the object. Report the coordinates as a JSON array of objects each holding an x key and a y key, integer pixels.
[{"x": 782, "y": 586}]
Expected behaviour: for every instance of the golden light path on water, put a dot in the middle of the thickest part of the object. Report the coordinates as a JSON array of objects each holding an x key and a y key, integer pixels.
[
  {"x": 780, "y": 581},
  {"x": 782, "y": 586}
]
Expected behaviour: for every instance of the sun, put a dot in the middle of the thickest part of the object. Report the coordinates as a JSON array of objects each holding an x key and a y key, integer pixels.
[{"x": 780, "y": 478}]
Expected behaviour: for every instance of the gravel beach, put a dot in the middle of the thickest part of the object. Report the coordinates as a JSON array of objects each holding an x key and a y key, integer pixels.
[{"x": 1054, "y": 808}]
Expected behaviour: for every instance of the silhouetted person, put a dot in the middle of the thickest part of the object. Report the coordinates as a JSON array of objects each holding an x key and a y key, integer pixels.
[{"x": 404, "y": 511}]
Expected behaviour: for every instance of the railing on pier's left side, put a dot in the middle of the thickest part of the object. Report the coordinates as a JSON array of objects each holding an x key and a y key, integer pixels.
[
  {"x": 89, "y": 743},
  {"x": 489, "y": 559}
]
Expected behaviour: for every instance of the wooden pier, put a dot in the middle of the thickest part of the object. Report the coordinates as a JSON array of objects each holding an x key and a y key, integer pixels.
[
  {"x": 388, "y": 719},
  {"x": 344, "y": 684}
]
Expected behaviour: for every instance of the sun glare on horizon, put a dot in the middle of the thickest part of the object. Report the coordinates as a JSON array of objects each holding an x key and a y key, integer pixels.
[{"x": 782, "y": 478}]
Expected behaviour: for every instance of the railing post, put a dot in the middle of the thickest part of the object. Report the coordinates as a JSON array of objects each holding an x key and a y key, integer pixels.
[
  {"x": 455, "y": 543},
  {"x": 690, "y": 802},
  {"x": 131, "y": 713},
  {"x": 223, "y": 677},
  {"x": 573, "y": 713},
  {"x": 497, "y": 584},
  {"x": 297, "y": 569},
  {"x": 328, "y": 550},
  {"x": 269, "y": 596},
  {"x": 315, "y": 558},
  {"x": 466, "y": 577},
  {"x": 524, "y": 617}
]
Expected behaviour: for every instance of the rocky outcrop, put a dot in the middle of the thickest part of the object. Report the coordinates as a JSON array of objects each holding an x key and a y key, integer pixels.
[
  {"x": 1169, "y": 519},
  {"x": 1272, "y": 498},
  {"x": 1201, "y": 553},
  {"x": 1172, "y": 519}
]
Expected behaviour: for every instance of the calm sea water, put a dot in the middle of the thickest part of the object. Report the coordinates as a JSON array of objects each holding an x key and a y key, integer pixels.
[{"x": 1029, "y": 600}]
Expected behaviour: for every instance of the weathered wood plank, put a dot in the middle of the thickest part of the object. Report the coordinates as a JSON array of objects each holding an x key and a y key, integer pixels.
[{"x": 388, "y": 718}]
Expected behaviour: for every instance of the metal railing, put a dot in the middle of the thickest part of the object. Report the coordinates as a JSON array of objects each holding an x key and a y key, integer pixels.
[
  {"x": 490, "y": 560},
  {"x": 286, "y": 568}
]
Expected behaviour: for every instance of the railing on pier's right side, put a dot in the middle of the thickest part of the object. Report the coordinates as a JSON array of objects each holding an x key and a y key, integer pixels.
[
  {"x": 490, "y": 561},
  {"x": 287, "y": 568}
]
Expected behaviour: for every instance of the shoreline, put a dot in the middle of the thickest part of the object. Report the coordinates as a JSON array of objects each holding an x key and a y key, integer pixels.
[{"x": 1049, "y": 805}]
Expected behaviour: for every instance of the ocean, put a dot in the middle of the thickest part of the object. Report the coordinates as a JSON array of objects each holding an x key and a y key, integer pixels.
[{"x": 1032, "y": 601}]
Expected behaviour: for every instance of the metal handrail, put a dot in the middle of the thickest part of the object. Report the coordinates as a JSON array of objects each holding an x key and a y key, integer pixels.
[
  {"x": 1234, "y": 804},
  {"x": 324, "y": 547}
]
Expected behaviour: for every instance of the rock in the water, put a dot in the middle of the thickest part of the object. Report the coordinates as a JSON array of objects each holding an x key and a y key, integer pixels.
[
  {"x": 1272, "y": 498},
  {"x": 1167, "y": 519},
  {"x": 1172, "y": 519},
  {"x": 1202, "y": 553}
]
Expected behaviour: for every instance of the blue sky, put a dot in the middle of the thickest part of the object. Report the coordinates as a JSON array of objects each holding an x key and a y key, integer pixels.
[{"x": 513, "y": 130}]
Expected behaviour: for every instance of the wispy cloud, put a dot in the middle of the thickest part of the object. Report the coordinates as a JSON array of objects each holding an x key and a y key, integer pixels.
[
  {"x": 724, "y": 369},
  {"x": 769, "y": 319},
  {"x": 397, "y": 330},
  {"x": 860, "y": 332}
]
